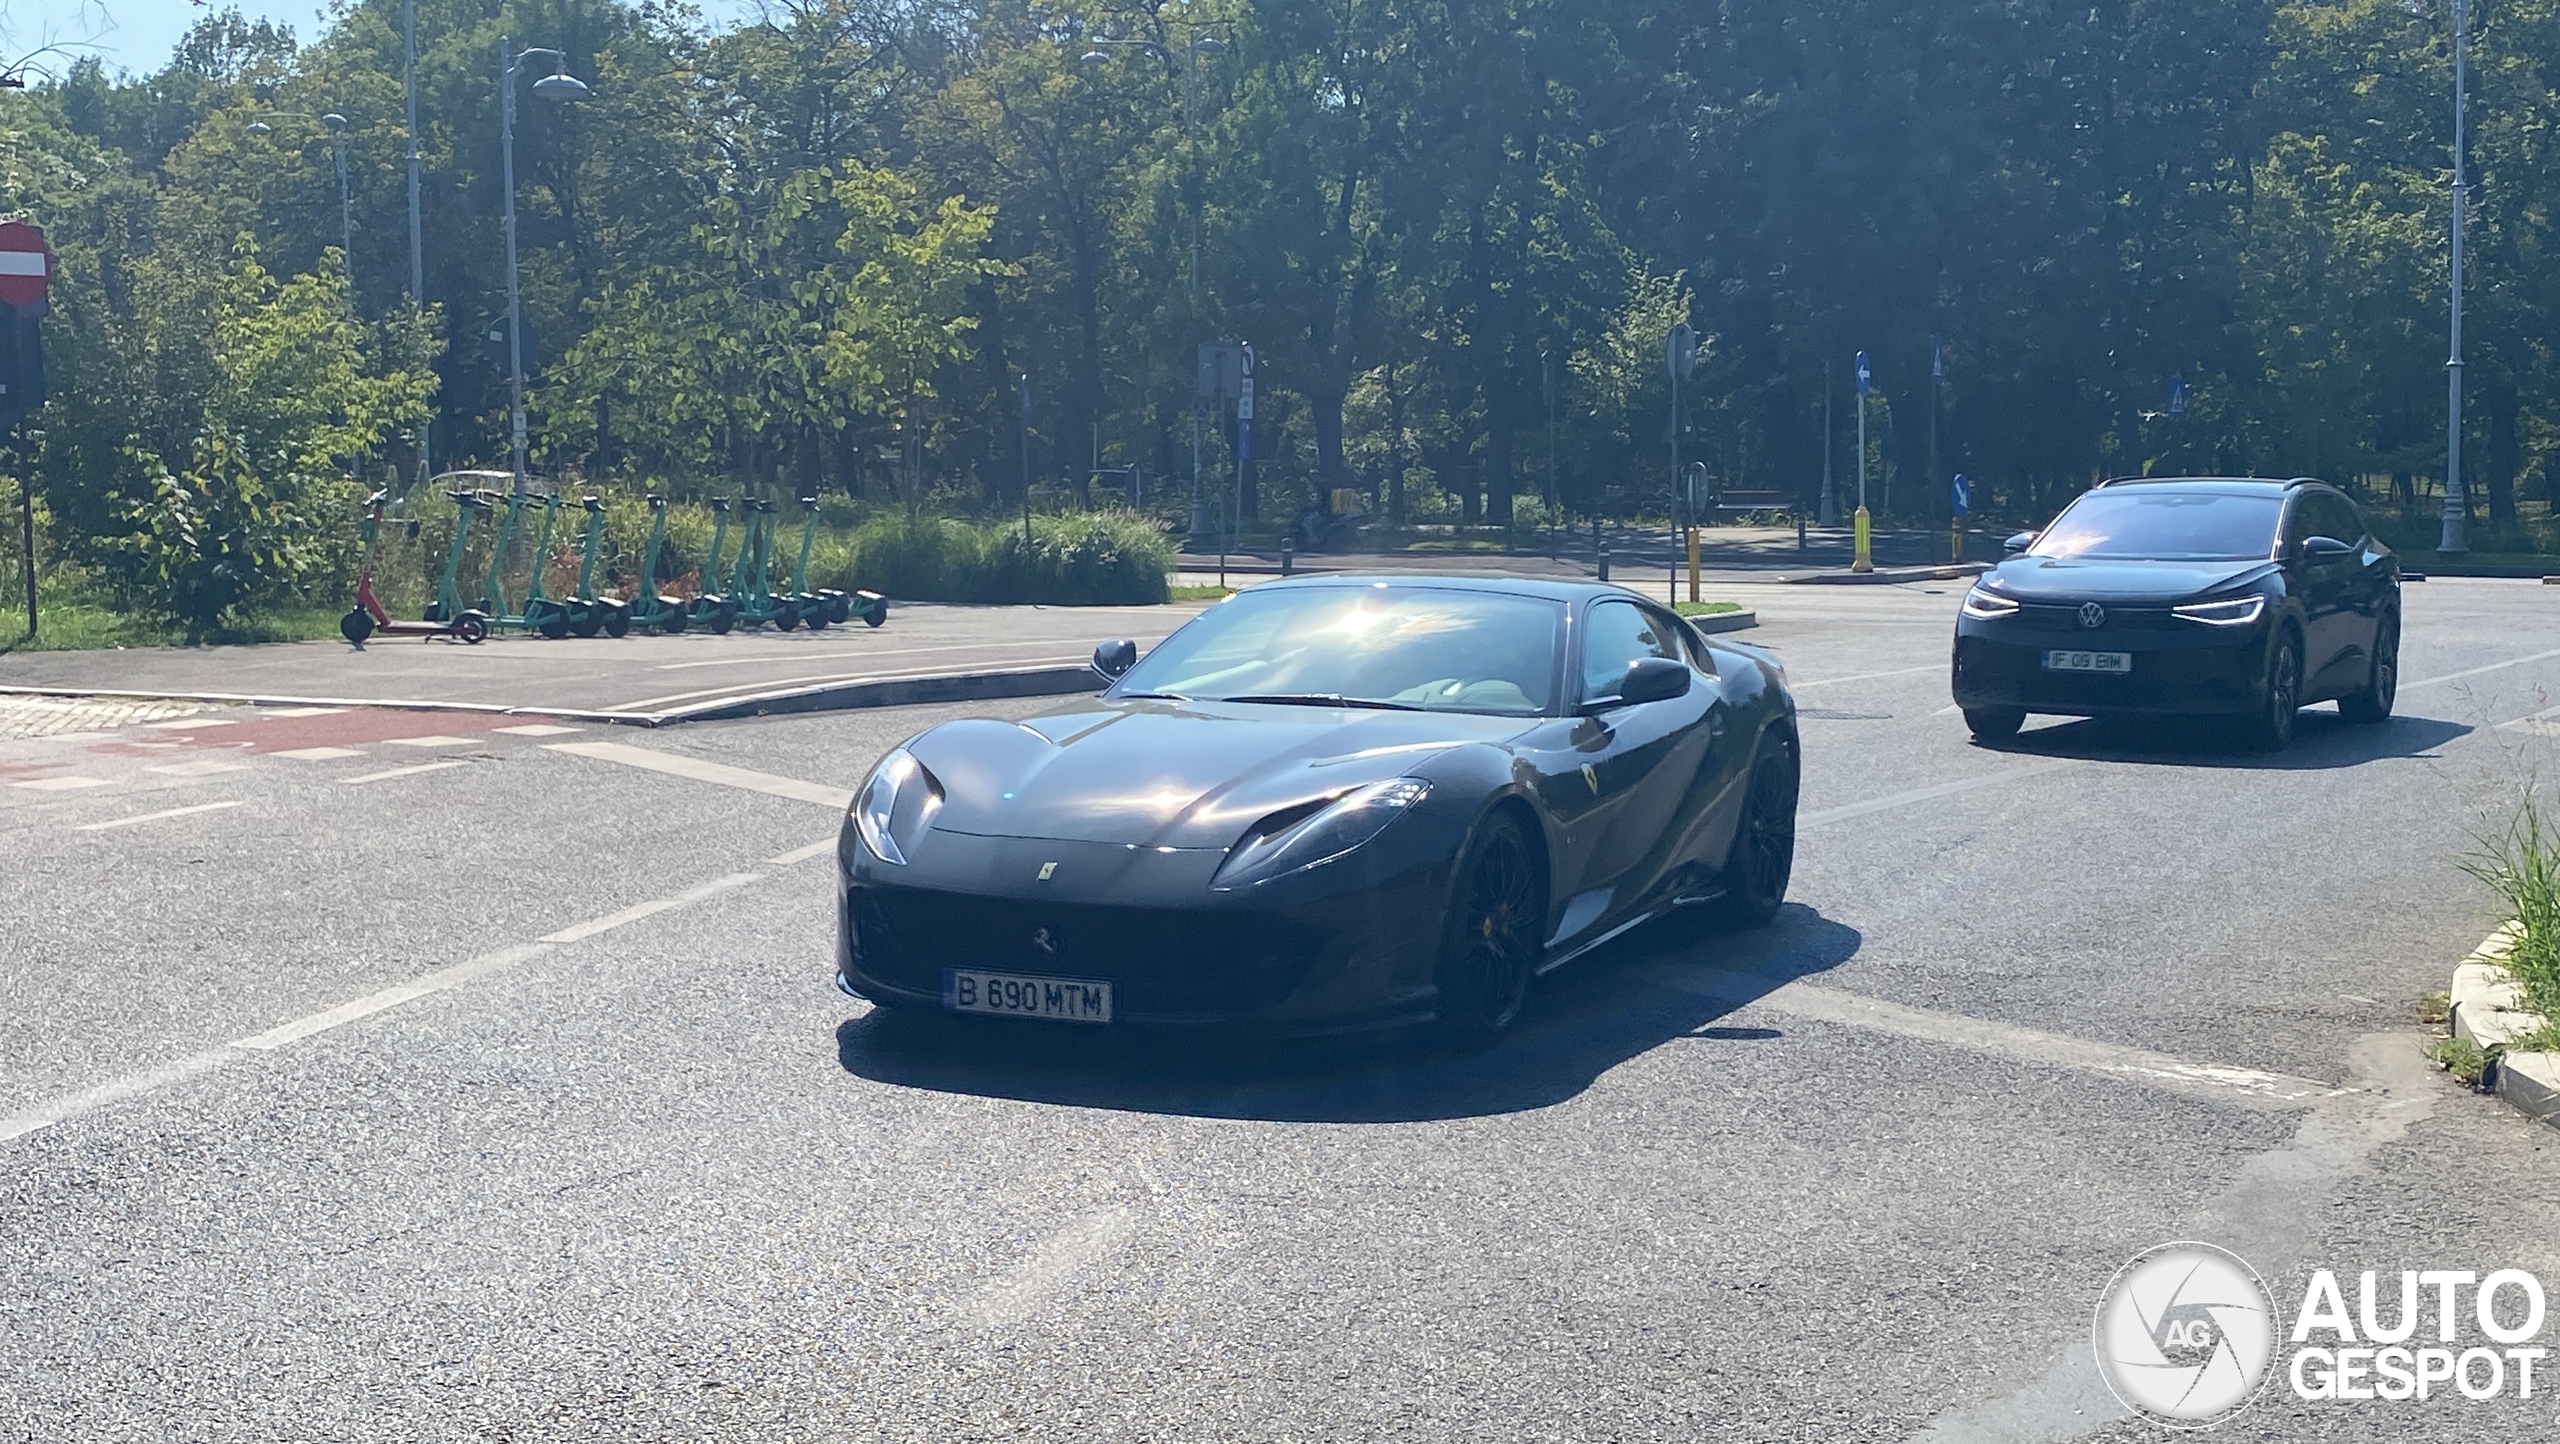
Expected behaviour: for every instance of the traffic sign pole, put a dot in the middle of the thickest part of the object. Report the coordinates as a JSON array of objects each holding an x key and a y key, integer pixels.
[
  {"x": 1862, "y": 556},
  {"x": 26, "y": 273}
]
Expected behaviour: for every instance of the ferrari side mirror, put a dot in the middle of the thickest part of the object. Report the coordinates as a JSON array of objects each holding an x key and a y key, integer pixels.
[
  {"x": 1653, "y": 679},
  {"x": 1114, "y": 658},
  {"x": 2019, "y": 543}
]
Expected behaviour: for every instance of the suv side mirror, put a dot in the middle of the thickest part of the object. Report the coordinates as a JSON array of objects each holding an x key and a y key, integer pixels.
[
  {"x": 1653, "y": 679},
  {"x": 2018, "y": 543},
  {"x": 1114, "y": 658},
  {"x": 2320, "y": 548}
]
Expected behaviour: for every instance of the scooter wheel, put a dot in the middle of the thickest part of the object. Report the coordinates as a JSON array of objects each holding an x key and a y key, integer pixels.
[
  {"x": 786, "y": 616},
  {"x": 878, "y": 613},
  {"x": 356, "y": 625},
  {"x": 617, "y": 621},
  {"x": 472, "y": 628},
  {"x": 839, "y": 609},
  {"x": 815, "y": 613},
  {"x": 671, "y": 621},
  {"x": 585, "y": 621},
  {"x": 722, "y": 619}
]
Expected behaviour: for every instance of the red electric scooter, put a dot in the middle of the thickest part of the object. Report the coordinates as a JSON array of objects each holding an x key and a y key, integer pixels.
[{"x": 368, "y": 618}]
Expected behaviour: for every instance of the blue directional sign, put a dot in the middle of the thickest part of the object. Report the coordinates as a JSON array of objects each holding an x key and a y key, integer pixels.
[
  {"x": 1960, "y": 494},
  {"x": 1862, "y": 373},
  {"x": 2177, "y": 398}
]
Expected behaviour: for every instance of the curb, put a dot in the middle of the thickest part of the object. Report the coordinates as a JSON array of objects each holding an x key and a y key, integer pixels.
[
  {"x": 1725, "y": 622},
  {"x": 1887, "y": 575},
  {"x": 862, "y": 692},
  {"x": 2484, "y": 1013}
]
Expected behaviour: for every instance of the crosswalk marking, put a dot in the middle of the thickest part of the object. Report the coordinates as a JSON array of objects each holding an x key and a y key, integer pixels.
[
  {"x": 196, "y": 769},
  {"x": 537, "y": 729},
  {"x": 60, "y": 784},
  {"x": 188, "y": 724},
  {"x": 402, "y": 772},
  {"x": 432, "y": 740},
  {"x": 154, "y": 816},
  {"x": 677, "y": 765},
  {"x": 318, "y": 754}
]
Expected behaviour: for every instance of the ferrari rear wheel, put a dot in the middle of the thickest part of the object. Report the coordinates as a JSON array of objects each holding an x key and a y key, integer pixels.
[
  {"x": 1764, "y": 842},
  {"x": 1496, "y": 928}
]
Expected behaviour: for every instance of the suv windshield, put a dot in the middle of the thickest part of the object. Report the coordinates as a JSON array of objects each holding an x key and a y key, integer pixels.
[
  {"x": 2136, "y": 524},
  {"x": 1397, "y": 647}
]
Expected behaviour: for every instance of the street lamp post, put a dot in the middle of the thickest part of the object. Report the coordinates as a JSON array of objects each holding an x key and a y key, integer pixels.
[
  {"x": 559, "y": 85},
  {"x": 1202, "y": 47},
  {"x": 336, "y": 125},
  {"x": 417, "y": 251},
  {"x": 2456, "y": 505}
]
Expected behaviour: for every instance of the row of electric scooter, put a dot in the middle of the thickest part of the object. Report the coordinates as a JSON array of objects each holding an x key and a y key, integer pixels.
[{"x": 750, "y": 600}]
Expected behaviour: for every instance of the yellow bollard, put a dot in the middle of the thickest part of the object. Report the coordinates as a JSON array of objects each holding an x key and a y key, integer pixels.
[
  {"x": 1693, "y": 564},
  {"x": 1955, "y": 541},
  {"x": 1858, "y": 528}
]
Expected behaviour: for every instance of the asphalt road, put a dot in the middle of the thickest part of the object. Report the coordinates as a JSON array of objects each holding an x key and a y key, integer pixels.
[{"x": 383, "y": 1076}]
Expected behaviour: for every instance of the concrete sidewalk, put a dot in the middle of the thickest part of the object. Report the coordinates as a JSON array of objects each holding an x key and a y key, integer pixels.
[{"x": 926, "y": 653}]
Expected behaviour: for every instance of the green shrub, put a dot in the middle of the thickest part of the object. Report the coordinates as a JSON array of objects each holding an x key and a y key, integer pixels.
[
  {"x": 1093, "y": 558},
  {"x": 2522, "y": 866}
]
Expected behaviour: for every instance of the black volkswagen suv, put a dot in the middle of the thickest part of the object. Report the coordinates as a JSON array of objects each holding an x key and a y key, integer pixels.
[{"x": 2210, "y": 596}]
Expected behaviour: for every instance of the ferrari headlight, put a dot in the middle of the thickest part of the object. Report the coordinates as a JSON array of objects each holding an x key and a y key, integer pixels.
[
  {"x": 1981, "y": 603},
  {"x": 2238, "y": 613},
  {"x": 1300, "y": 838},
  {"x": 877, "y": 802}
]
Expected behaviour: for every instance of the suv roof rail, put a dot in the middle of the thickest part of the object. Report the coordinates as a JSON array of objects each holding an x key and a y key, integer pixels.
[{"x": 2287, "y": 482}]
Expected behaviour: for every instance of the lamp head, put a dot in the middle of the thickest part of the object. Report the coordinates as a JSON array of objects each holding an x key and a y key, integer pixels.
[
  {"x": 1096, "y": 57},
  {"x": 260, "y": 127},
  {"x": 1209, "y": 45},
  {"x": 561, "y": 87},
  {"x": 333, "y": 122}
]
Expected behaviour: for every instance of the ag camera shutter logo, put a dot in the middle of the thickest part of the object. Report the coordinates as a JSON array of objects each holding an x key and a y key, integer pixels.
[{"x": 2185, "y": 1335}]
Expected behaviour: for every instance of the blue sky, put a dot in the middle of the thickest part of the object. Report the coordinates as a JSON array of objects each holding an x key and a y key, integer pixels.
[{"x": 138, "y": 35}]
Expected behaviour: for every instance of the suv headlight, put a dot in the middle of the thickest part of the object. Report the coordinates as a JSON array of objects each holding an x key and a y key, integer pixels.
[
  {"x": 1986, "y": 604},
  {"x": 1301, "y": 837},
  {"x": 877, "y": 803},
  {"x": 2237, "y": 613}
]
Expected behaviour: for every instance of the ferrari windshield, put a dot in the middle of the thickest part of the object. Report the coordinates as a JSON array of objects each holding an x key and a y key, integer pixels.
[
  {"x": 1419, "y": 648},
  {"x": 2141, "y": 524}
]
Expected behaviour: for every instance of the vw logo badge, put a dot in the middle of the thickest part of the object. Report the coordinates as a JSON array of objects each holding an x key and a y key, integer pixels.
[{"x": 2092, "y": 615}]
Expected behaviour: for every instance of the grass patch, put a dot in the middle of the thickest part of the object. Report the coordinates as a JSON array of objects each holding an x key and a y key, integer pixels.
[
  {"x": 73, "y": 618},
  {"x": 1705, "y": 609},
  {"x": 1477, "y": 545},
  {"x": 1198, "y": 594},
  {"x": 2462, "y": 1058},
  {"x": 2521, "y": 865}
]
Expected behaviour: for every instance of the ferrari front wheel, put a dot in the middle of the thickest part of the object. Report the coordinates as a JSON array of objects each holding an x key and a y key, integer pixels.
[
  {"x": 1764, "y": 842},
  {"x": 1497, "y": 923}
]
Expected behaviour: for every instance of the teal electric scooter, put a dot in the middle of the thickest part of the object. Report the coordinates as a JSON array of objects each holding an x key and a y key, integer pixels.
[
  {"x": 713, "y": 610},
  {"x": 667, "y": 614}
]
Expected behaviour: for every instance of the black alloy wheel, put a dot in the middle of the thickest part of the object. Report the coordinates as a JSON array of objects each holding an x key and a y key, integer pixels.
[
  {"x": 2382, "y": 687},
  {"x": 356, "y": 625},
  {"x": 1495, "y": 935},
  {"x": 2280, "y": 699},
  {"x": 472, "y": 628},
  {"x": 1994, "y": 724},
  {"x": 1764, "y": 842}
]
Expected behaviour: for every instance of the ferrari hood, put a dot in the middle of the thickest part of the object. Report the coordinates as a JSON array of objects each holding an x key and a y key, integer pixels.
[
  {"x": 2071, "y": 579},
  {"x": 1174, "y": 774}
]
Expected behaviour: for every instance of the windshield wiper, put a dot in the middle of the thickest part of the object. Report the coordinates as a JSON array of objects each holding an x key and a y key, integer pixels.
[
  {"x": 1323, "y": 699},
  {"x": 1151, "y": 697}
]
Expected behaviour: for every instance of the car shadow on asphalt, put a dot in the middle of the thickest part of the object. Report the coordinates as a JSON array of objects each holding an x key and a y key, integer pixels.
[
  {"x": 2322, "y": 741},
  {"x": 1653, "y": 987}
]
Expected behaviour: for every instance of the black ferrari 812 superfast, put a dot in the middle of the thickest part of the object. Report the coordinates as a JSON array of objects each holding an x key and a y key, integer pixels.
[{"x": 1328, "y": 804}]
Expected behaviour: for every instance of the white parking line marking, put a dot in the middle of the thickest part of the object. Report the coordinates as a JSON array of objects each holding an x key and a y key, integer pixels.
[
  {"x": 2474, "y": 672},
  {"x": 638, "y": 911},
  {"x": 799, "y": 855},
  {"x": 432, "y": 740},
  {"x": 60, "y": 784},
  {"x": 154, "y": 816},
  {"x": 811, "y": 654},
  {"x": 768, "y": 684},
  {"x": 300, "y": 711},
  {"x": 537, "y": 729},
  {"x": 1931, "y": 794},
  {"x": 401, "y": 772},
  {"x": 1045, "y": 1271},
  {"x": 89, "y": 1100},
  {"x": 196, "y": 769},
  {"x": 1794, "y": 685},
  {"x": 721, "y": 773},
  {"x": 186, "y": 723},
  {"x": 318, "y": 754}
]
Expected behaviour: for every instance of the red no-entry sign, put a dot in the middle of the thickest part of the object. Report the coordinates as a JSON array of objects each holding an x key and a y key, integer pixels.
[{"x": 26, "y": 264}]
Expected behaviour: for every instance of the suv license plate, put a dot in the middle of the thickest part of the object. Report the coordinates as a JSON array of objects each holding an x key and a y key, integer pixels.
[
  {"x": 1019, "y": 995},
  {"x": 2116, "y": 662}
]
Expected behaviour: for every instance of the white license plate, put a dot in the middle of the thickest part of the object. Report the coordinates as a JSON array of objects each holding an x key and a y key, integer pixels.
[
  {"x": 2118, "y": 662},
  {"x": 1019, "y": 995}
]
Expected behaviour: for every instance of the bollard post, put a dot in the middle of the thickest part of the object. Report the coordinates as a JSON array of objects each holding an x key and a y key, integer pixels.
[
  {"x": 1861, "y": 557},
  {"x": 1693, "y": 564},
  {"x": 1288, "y": 554},
  {"x": 1799, "y": 533},
  {"x": 1604, "y": 559}
]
